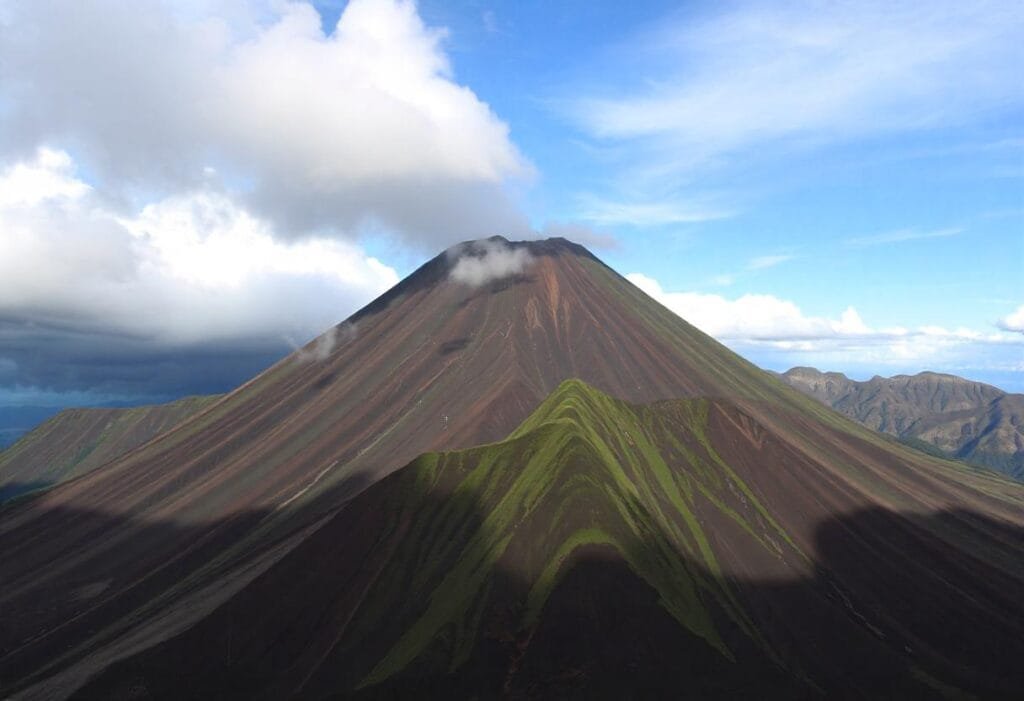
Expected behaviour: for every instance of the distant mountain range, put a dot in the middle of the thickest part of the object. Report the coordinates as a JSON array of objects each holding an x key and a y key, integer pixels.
[
  {"x": 967, "y": 420},
  {"x": 76, "y": 441}
]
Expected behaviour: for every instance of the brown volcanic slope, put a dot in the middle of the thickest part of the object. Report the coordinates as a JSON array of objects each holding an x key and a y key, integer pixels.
[
  {"x": 614, "y": 550},
  {"x": 966, "y": 420},
  {"x": 241, "y": 511},
  {"x": 76, "y": 441}
]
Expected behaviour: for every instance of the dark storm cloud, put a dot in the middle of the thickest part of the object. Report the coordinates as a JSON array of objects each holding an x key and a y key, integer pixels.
[
  {"x": 182, "y": 185},
  {"x": 44, "y": 361}
]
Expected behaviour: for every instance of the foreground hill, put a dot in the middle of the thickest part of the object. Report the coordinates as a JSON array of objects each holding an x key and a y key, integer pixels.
[
  {"x": 76, "y": 441},
  {"x": 966, "y": 420},
  {"x": 615, "y": 550},
  {"x": 371, "y": 514}
]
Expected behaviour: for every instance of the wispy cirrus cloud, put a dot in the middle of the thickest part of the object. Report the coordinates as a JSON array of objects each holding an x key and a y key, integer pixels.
[
  {"x": 764, "y": 71},
  {"x": 763, "y": 262},
  {"x": 608, "y": 212},
  {"x": 752, "y": 266},
  {"x": 903, "y": 235},
  {"x": 712, "y": 94}
]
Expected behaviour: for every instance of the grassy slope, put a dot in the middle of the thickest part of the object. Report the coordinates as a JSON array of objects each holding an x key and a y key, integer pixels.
[
  {"x": 584, "y": 472},
  {"x": 76, "y": 441},
  {"x": 474, "y": 544},
  {"x": 581, "y": 452}
]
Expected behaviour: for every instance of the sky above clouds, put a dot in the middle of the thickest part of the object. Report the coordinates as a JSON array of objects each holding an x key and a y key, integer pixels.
[{"x": 188, "y": 190}]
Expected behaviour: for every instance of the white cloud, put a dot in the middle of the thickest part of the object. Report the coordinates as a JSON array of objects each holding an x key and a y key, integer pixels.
[
  {"x": 190, "y": 269},
  {"x": 610, "y": 213},
  {"x": 326, "y": 343},
  {"x": 47, "y": 177},
  {"x": 486, "y": 261},
  {"x": 901, "y": 235},
  {"x": 363, "y": 127},
  {"x": 755, "y": 321},
  {"x": 765, "y": 71},
  {"x": 1014, "y": 321},
  {"x": 762, "y": 262},
  {"x": 721, "y": 99},
  {"x": 490, "y": 21},
  {"x": 749, "y": 317}
]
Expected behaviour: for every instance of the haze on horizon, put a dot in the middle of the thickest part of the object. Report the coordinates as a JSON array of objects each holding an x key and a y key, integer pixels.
[{"x": 189, "y": 191}]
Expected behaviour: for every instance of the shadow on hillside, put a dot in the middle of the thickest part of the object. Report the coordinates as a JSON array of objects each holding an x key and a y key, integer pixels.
[
  {"x": 454, "y": 346},
  {"x": 895, "y": 600},
  {"x": 14, "y": 490},
  {"x": 494, "y": 287}
]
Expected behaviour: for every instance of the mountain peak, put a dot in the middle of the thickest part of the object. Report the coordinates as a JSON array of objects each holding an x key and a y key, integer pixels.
[
  {"x": 479, "y": 262},
  {"x": 671, "y": 475},
  {"x": 553, "y": 245}
]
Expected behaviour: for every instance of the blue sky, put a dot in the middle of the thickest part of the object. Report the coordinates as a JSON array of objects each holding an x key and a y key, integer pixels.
[
  {"x": 839, "y": 184},
  {"x": 908, "y": 207}
]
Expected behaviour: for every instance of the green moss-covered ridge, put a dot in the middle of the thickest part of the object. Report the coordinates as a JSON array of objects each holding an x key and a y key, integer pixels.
[{"x": 583, "y": 470}]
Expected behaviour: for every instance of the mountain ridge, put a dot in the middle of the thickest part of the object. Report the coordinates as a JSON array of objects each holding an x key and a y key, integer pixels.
[
  {"x": 964, "y": 419},
  {"x": 75, "y": 441}
]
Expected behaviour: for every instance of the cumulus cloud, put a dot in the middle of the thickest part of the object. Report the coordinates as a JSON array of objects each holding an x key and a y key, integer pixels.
[
  {"x": 751, "y": 316},
  {"x": 362, "y": 127},
  {"x": 183, "y": 185},
  {"x": 1013, "y": 321},
  {"x": 192, "y": 271},
  {"x": 482, "y": 262},
  {"x": 765, "y": 322}
]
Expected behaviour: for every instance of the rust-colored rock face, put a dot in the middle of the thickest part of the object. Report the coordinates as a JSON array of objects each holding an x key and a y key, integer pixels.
[{"x": 314, "y": 534}]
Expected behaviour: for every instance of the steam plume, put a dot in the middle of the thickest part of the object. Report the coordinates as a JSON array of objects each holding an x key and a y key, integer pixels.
[{"x": 481, "y": 262}]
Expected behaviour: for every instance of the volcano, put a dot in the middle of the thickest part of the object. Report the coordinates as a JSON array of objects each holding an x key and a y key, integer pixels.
[{"x": 529, "y": 482}]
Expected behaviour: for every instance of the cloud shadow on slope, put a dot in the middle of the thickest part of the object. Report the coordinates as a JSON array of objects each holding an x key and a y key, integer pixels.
[{"x": 889, "y": 604}]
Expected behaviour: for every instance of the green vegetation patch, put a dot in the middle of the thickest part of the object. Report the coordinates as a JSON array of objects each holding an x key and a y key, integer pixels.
[{"x": 584, "y": 469}]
